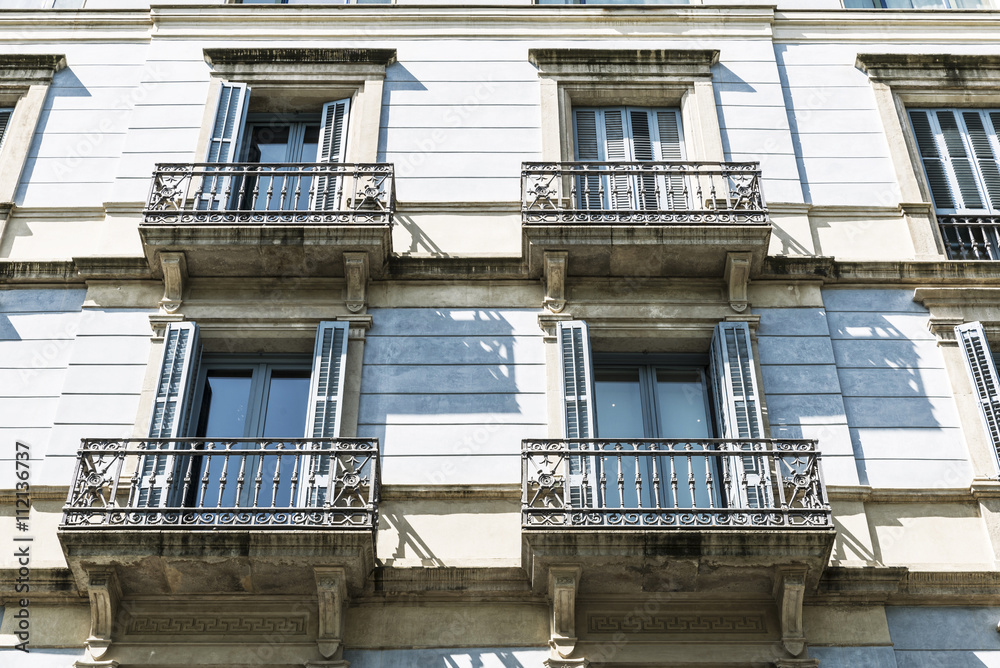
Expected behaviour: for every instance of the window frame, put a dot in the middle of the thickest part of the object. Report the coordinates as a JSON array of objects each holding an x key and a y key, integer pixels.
[
  {"x": 320, "y": 75},
  {"x": 660, "y": 78}
]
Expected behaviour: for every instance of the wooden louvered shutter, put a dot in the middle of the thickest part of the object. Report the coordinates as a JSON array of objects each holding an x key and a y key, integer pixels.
[
  {"x": 223, "y": 146},
  {"x": 933, "y": 160},
  {"x": 4, "y": 121},
  {"x": 641, "y": 134},
  {"x": 589, "y": 193},
  {"x": 983, "y": 140},
  {"x": 326, "y": 393},
  {"x": 171, "y": 408},
  {"x": 576, "y": 376},
  {"x": 737, "y": 411},
  {"x": 669, "y": 148},
  {"x": 618, "y": 148},
  {"x": 983, "y": 374},
  {"x": 961, "y": 163},
  {"x": 332, "y": 148}
]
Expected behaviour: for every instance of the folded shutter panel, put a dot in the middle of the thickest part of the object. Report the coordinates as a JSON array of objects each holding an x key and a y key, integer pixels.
[
  {"x": 961, "y": 164},
  {"x": 617, "y": 148},
  {"x": 332, "y": 149},
  {"x": 588, "y": 188},
  {"x": 171, "y": 409},
  {"x": 646, "y": 194},
  {"x": 223, "y": 146},
  {"x": 4, "y": 121},
  {"x": 737, "y": 410},
  {"x": 326, "y": 393},
  {"x": 933, "y": 161},
  {"x": 985, "y": 154},
  {"x": 983, "y": 374},
  {"x": 668, "y": 148},
  {"x": 576, "y": 373}
]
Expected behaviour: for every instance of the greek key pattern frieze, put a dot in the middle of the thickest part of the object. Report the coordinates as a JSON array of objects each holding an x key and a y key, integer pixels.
[
  {"x": 273, "y": 624},
  {"x": 674, "y": 623}
]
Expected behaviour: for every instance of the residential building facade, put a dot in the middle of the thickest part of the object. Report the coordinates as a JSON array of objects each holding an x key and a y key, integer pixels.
[{"x": 499, "y": 333}]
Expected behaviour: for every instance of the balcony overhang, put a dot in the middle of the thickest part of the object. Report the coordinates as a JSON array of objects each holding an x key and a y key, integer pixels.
[
  {"x": 273, "y": 220},
  {"x": 643, "y": 219}
]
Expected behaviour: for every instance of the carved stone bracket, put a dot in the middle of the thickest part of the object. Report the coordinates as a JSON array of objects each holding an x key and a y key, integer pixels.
[
  {"x": 358, "y": 326},
  {"x": 548, "y": 322},
  {"x": 555, "y": 280},
  {"x": 105, "y": 593},
  {"x": 174, "y": 273},
  {"x": 331, "y": 590},
  {"x": 789, "y": 592},
  {"x": 944, "y": 330},
  {"x": 563, "y": 584},
  {"x": 356, "y": 273},
  {"x": 737, "y": 277}
]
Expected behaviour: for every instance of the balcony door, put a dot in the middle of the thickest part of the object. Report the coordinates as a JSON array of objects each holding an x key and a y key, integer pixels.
[
  {"x": 608, "y": 135},
  {"x": 253, "y": 399},
  {"x": 274, "y": 140},
  {"x": 649, "y": 400}
]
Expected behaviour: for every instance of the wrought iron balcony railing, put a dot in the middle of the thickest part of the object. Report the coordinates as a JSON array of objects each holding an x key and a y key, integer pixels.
[
  {"x": 191, "y": 483},
  {"x": 271, "y": 193},
  {"x": 971, "y": 237},
  {"x": 642, "y": 192},
  {"x": 673, "y": 484}
]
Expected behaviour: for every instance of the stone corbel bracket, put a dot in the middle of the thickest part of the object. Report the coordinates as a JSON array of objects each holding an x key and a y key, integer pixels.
[
  {"x": 105, "y": 594},
  {"x": 737, "y": 278},
  {"x": 789, "y": 592},
  {"x": 564, "y": 581},
  {"x": 331, "y": 591},
  {"x": 554, "y": 277},
  {"x": 356, "y": 273},
  {"x": 549, "y": 323},
  {"x": 174, "y": 274}
]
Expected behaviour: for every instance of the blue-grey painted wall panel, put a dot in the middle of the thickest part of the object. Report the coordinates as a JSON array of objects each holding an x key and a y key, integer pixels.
[
  {"x": 854, "y": 657},
  {"x": 955, "y": 659},
  {"x": 805, "y": 409},
  {"x": 486, "y": 657},
  {"x": 450, "y": 393},
  {"x": 800, "y": 379},
  {"x": 905, "y": 429},
  {"x": 794, "y": 350},
  {"x": 959, "y": 628},
  {"x": 871, "y": 301},
  {"x": 792, "y": 322},
  {"x": 41, "y": 300}
]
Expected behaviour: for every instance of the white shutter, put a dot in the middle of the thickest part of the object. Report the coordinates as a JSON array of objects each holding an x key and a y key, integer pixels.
[
  {"x": 224, "y": 144},
  {"x": 737, "y": 411},
  {"x": 959, "y": 150},
  {"x": 171, "y": 409},
  {"x": 983, "y": 374},
  {"x": 576, "y": 379},
  {"x": 618, "y": 148},
  {"x": 669, "y": 147},
  {"x": 4, "y": 121},
  {"x": 588, "y": 149},
  {"x": 326, "y": 393},
  {"x": 642, "y": 129},
  {"x": 332, "y": 148}
]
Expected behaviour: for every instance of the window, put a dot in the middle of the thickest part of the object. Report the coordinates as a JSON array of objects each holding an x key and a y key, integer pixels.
[
  {"x": 625, "y": 402},
  {"x": 985, "y": 381},
  {"x": 959, "y": 153},
  {"x": 629, "y": 134},
  {"x": 312, "y": 2},
  {"x": 283, "y": 143},
  {"x": 4, "y": 120},
  {"x": 224, "y": 399},
  {"x": 918, "y": 4}
]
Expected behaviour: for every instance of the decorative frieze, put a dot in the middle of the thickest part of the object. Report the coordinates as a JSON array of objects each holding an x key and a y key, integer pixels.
[
  {"x": 207, "y": 624},
  {"x": 666, "y": 623}
]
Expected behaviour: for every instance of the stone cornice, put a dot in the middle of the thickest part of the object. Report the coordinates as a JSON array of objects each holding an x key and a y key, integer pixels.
[
  {"x": 76, "y": 270},
  {"x": 941, "y": 70},
  {"x": 665, "y": 63},
  {"x": 905, "y": 272},
  {"x": 898, "y": 585},
  {"x": 305, "y": 57},
  {"x": 23, "y": 70}
]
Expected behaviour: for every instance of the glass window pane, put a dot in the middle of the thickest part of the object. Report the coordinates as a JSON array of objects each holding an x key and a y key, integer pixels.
[
  {"x": 619, "y": 403},
  {"x": 681, "y": 401},
  {"x": 284, "y": 417},
  {"x": 223, "y": 415}
]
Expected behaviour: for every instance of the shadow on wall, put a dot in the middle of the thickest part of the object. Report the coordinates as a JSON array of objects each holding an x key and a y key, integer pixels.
[{"x": 445, "y": 658}]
